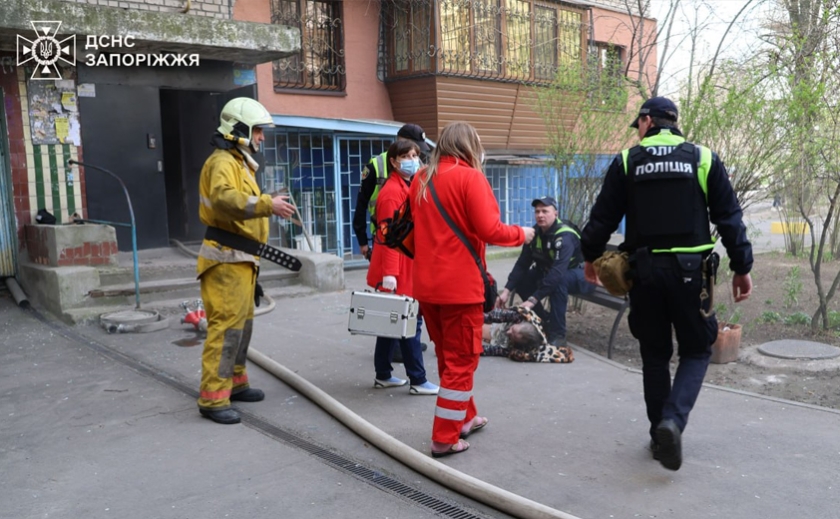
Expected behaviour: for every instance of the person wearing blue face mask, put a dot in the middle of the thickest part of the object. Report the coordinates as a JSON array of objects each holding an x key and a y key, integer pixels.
[{"x": 392, "y": 271}]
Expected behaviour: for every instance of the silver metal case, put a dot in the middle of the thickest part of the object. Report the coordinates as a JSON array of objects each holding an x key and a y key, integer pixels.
[{"x": 383, "y": 315}]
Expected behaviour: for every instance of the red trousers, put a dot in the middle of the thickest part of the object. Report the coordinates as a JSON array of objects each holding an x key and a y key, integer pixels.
[{"x": 456, "y": 332}]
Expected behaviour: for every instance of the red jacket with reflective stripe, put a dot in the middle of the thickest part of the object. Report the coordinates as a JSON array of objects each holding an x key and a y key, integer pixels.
[
  {"x": 444, "y": 270},
  {"x": 385, "y": 261}
]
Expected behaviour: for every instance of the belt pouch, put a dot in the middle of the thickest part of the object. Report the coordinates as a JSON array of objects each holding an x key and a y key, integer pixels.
[{"x": 689, "y": 263}]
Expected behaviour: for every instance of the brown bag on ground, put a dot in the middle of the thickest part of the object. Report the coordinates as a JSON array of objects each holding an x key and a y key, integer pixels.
[{"x": 613, "y": 270}]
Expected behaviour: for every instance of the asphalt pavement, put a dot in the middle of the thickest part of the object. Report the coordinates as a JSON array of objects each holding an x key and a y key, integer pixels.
[{"x": 106, "y": 426}]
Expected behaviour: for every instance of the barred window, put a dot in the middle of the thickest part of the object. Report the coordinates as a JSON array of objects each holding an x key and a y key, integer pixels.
[
  {"x": 610, "y": 58},
  {"x": 412, "y": 30},
  {"x": 319, "y": 65},
  {"x": 503, "y": 39}
]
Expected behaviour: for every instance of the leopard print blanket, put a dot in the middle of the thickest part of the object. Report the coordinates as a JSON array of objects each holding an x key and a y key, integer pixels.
[{"x": 500, "y": 346}]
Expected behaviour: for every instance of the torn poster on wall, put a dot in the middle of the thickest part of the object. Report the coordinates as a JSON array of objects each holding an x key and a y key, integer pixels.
[{"x": 54, "y": 112}]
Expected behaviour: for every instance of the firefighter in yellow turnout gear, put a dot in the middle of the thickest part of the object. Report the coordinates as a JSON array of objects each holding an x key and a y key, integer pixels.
[{"x": 231, "y": 200}]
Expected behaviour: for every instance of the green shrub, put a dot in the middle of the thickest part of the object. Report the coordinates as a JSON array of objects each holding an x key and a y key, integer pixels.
[
  {"x": 798, "y": 318},
  {"x": 793, "y": 287},
  {"x": 770, "y": 317},
  {"x": 833, "y": 319}
]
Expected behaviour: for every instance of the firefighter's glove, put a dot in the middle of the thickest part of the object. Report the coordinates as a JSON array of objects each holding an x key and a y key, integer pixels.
[
  {"x": 258, "y": 294},
  {"x": 613, "y": 269}
]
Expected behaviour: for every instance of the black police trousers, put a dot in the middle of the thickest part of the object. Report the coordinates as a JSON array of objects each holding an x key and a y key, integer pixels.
[{"x": 669, "y": 298}]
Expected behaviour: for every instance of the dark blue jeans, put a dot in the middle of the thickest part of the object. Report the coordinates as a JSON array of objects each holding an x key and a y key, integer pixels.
[
  {"x": 572, "y": 282},
  {"x": 412, "y": 354}
]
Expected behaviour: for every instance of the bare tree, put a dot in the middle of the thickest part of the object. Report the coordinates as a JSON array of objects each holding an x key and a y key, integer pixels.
[
  {"x": 805, "y": 35},
  {"x": 584, "y": 113}
]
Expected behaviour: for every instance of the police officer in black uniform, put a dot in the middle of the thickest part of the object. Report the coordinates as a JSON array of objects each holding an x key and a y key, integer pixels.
[
  {"x": 550, "y": 266},
  {"x": 669, "y": 190},
  {"x": 374, "y": 175}
]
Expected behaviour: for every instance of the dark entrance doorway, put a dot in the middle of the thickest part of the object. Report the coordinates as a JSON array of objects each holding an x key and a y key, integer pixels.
[
  {"x": 188, "y": 119},
  {"x": 121, "y": 132}
]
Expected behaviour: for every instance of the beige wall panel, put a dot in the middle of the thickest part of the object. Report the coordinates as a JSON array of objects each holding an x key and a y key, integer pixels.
[{"x": 414, "y": 101}]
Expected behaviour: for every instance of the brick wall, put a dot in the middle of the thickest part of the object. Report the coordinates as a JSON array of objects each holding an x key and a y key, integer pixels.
[
  {"x": 71, "y": 245},
  {"x": 212, "y": 8},
  {"x": 624, "y": 5}
]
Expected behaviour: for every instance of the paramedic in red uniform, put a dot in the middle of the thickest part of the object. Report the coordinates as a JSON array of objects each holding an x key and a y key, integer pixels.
[
  {"x": 447, "y": 281},
  {"x": 391, "y": 271}
]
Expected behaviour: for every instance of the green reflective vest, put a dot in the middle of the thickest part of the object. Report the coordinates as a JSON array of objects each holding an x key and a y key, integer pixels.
[
  {"x": 544, "y": 258},
  {"x": 380, "y": 169}
]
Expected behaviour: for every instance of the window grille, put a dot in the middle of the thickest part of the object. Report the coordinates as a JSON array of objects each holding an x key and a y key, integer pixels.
[
  {"x": 319, "y": 65},
  {"x": 514, "y": 40}
]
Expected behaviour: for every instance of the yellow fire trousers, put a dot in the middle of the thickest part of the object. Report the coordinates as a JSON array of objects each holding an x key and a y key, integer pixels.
[{"x": 227, "y": 290}]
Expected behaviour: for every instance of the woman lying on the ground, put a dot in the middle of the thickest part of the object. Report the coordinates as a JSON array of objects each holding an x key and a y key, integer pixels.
[{"x": 517, "y": 334}]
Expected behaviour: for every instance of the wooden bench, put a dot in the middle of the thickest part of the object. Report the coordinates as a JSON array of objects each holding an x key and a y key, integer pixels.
[{"x": 601, "y": 297}]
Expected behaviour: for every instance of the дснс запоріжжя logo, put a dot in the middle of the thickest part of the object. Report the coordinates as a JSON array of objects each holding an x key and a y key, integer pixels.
[{"x": 46, "y": 50}]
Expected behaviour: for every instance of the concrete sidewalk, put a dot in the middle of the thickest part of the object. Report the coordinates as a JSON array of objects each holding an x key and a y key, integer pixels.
[{"x": 87, "y": 434}]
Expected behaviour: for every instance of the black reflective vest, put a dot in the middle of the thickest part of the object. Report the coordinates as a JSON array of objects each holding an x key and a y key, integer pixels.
[{"x": 667, "y": 204}]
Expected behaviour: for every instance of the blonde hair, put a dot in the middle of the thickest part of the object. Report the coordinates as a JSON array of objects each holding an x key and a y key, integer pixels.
[{"x": 458, "y": 140}]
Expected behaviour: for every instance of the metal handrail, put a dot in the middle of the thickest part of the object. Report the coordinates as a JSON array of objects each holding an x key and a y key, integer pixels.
[{"x": 131, "y": 225}]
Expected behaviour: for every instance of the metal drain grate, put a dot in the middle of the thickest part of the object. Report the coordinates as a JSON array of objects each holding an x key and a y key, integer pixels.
[
  {"x": 364, "y": 473},
  {"x": 373, "y": 477}
]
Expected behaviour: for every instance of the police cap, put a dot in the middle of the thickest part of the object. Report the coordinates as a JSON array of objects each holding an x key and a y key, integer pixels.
[{"x": 660, "y": 107}]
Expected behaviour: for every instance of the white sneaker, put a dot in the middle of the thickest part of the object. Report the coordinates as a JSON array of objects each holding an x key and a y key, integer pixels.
[
  {"x": 391, "y": 382},
  {"x": 426, "y": 388}
]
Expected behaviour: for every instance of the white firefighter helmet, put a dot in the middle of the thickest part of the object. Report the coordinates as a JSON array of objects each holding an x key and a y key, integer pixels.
[{"x": 241, "y": 115}]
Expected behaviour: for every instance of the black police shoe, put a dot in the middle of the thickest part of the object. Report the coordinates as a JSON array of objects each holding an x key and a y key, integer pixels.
[
  {"x": 654, "y": 449},
  {"x": 249, "y": 395},
  {"x": 225, "y": 416},
  {"x": 668, "y": 436},
  {"x": 424, "y": 346}
]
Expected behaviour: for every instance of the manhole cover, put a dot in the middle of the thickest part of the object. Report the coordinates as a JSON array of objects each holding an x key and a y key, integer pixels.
[
  {"x": 793, "y": 349},
  {"x": 130, "y": 317}
]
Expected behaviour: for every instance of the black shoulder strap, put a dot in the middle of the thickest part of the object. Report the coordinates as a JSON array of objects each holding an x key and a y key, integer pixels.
[{"x": 457, "y": 231}]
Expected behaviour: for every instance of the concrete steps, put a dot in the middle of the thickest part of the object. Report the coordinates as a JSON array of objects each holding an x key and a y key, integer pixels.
[
  {"x": 125, "y": 275},
  {"x": 165, "y": 275},
  {"x": 171, "y": 306},
  {"x": 167, "y": 278},
  {"x": 152, "y": 290}
]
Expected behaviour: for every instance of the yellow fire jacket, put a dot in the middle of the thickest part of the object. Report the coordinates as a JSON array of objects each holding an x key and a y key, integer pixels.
[{"x": 230, "y": 199}]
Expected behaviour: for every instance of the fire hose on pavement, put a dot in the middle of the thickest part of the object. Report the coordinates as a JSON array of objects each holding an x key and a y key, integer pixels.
[{"x": 465, "y": 484}]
